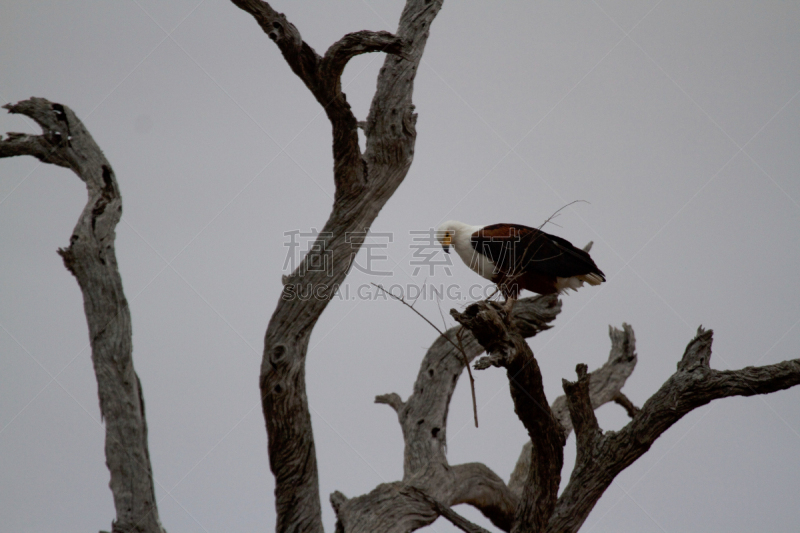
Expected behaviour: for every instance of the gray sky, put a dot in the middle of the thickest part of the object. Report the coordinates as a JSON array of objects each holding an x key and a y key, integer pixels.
[{"x": 676, "y": 121}]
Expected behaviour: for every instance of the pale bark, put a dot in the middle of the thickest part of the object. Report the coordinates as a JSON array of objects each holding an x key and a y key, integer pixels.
[{"x": 91, "y": 258}]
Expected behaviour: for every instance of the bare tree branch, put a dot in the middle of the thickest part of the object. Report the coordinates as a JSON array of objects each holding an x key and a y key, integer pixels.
[
  {"x": 92, "y": 260},
  {"x": 477, "y": 485},
  {"x": 507, "y": 348},
  {"x": 607, "y": 381},
  {"x": 604, "y": 386},
  {"x": 353, "y": 44},
  {"x": 425, "y": 422},
  {"x": 622, "y": 400},
  {"x": 322, "y": 76},
  {"x": 23, "y": 144},
  {"x": 423, "y": 418},
  {"x": 458, "y": 347},
  {"x": 587, "y": 430},
  {"x": 364, "y": 183},
  {"x": 392, "y": 399},
  {"x": 693, "y": 385},
  {"x": 302, "y": 59}
]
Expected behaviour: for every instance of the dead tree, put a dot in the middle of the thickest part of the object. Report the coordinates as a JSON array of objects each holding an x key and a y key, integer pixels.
[
  {"x": 364, "y": 183},
  {"x": 91, "y": 258}
]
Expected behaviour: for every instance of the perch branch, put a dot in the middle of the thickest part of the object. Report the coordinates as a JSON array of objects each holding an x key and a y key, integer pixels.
[
  {"x": 507, "y": 348},
  {"x": 423, "y": 419}
]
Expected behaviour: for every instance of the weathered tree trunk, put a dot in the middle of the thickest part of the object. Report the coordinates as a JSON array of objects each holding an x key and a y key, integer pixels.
[
  {"x": 90, "y": 257},
  {"x": 364, "y": 183}
]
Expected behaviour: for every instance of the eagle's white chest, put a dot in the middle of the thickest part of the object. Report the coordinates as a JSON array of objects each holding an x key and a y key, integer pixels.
[{"x": 474, "y": 260}]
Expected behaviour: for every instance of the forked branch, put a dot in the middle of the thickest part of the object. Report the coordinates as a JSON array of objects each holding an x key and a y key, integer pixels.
[
  {"x": 322, "y": 76},
  {"x": 364, "y": 183}
]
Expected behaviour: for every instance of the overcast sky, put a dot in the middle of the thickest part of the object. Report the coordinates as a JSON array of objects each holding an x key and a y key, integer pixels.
[{"x": 677, "y": 122}]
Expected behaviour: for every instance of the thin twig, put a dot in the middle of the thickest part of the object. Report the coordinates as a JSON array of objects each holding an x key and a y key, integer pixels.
[
  {"x": 460, "y": 337},
  {"x": 438, "y": 305},
  {"x": 554, "y": 215},
  {"x": 440, "y": 332},
  {"x": 420, "y": 294}
]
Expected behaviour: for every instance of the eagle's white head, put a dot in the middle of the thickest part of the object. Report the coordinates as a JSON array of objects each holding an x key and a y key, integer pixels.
[{"x": 455, "y": 233}]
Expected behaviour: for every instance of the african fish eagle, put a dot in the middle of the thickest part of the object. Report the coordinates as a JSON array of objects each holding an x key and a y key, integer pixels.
[{"x": 517, "y": 257}]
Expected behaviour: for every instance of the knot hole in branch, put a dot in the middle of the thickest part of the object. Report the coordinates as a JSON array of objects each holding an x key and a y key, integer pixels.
[
  {"x": 277, "y": 355},
  {"x": 277, "y": 30}
]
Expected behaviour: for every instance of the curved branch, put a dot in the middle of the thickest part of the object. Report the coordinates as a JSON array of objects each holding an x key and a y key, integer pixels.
[
  {"x": 424, "y": 421},
  {"x": 393, "y": 400},
  {"x": 302, "y": 59},
  {"x": 387, "y": 508},
  {"x": 322, "y": 76},
  {"x": 624, "y": 402},
  {"x": 423, "y": 418},
  {"x": 443, "y": 510},
  {"x": 92, "y": 260},
  {"x": 477, "y": 485},
  {"x": 425, "y": 411},
  {"x": 23, "y": 144},
  {"x": 357, "y": 43}
]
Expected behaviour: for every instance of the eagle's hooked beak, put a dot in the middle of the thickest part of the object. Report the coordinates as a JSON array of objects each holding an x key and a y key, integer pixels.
[{"x": 448, "y": 237}]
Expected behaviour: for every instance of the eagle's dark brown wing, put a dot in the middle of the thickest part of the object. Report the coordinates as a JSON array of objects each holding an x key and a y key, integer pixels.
[{"x": 517, "y": 249}]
